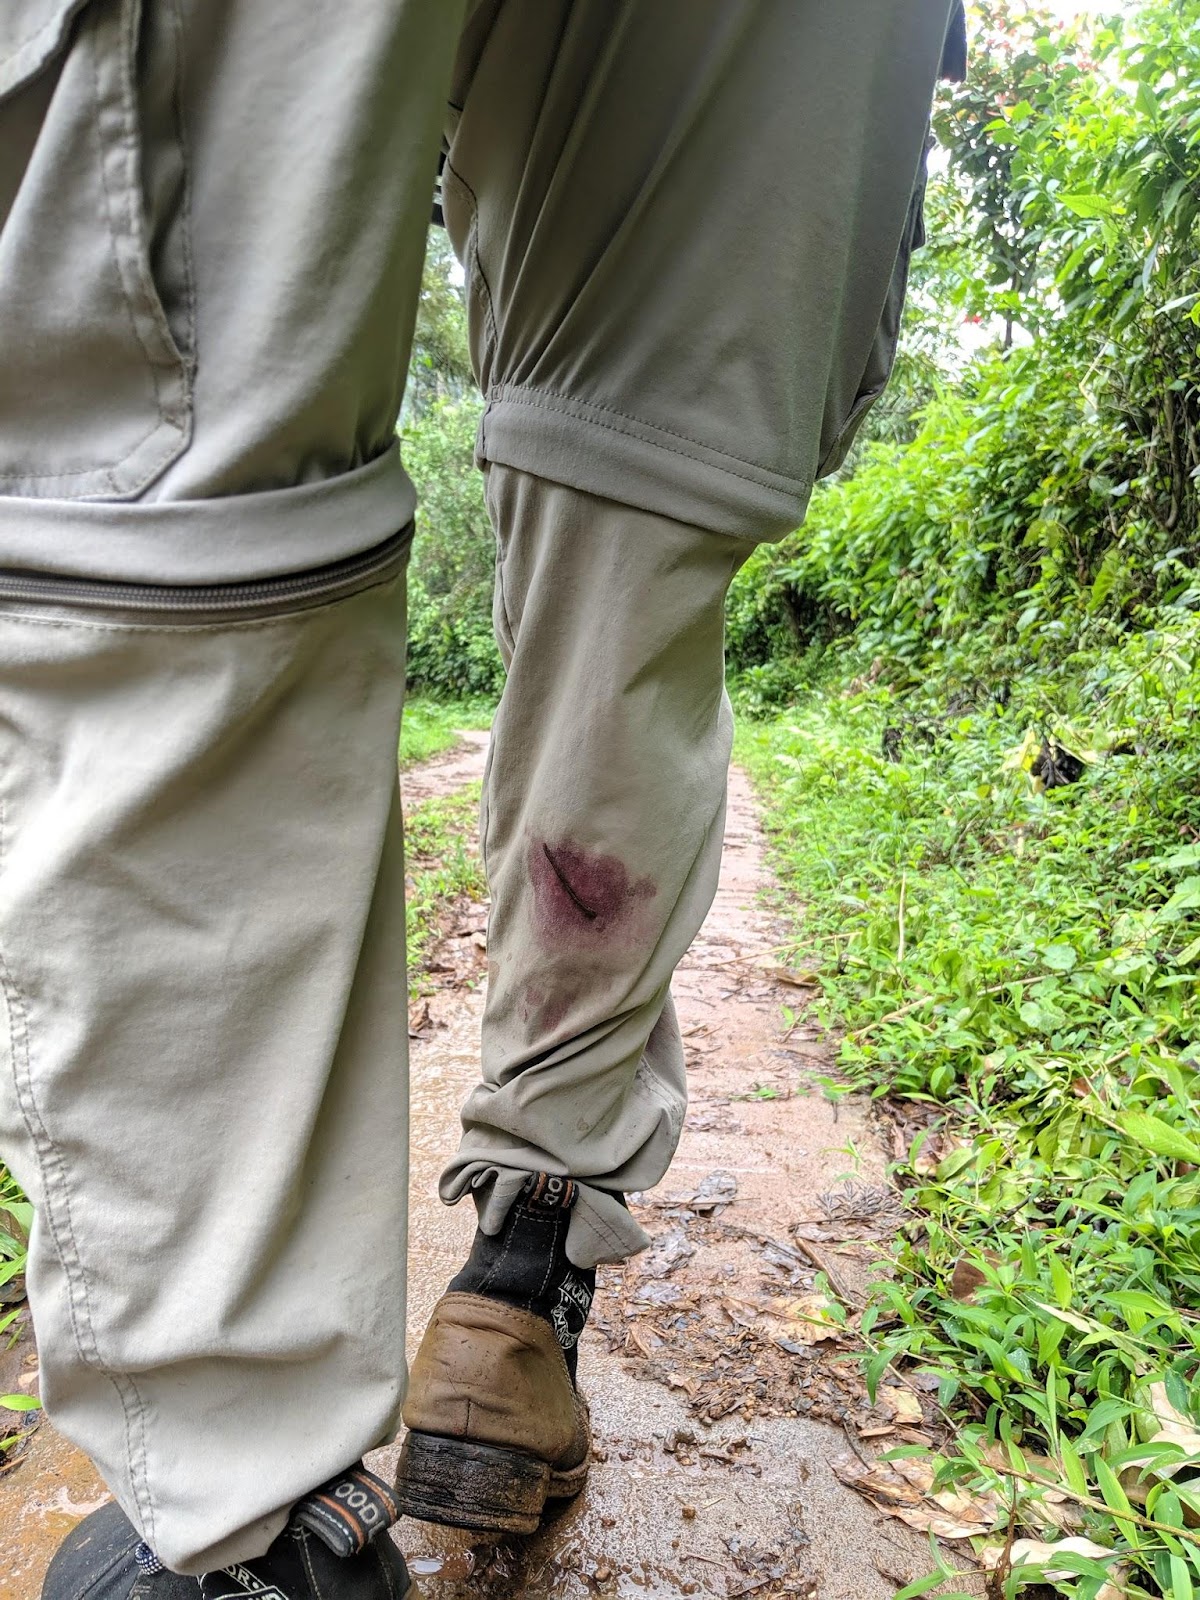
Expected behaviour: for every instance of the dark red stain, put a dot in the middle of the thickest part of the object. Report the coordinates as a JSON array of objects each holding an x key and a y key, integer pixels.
[{"x": 581, "y": 898}]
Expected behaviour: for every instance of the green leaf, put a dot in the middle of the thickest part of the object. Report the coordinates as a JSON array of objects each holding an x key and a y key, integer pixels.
[
  {"x": 1158, "y": 1137},
  {"x": 1073, "y": 1466},
  {"x": 1060, "y": 957},
  {"x": 1060, "y": 1280},
  {"x": 1114, "y": 1496},
  {"x": 20, "y": 1402},
  {"x": 1146, "y": 101},
  {"x": 1181, "y": 1579},
  {"x": 1087, "y": 205}
]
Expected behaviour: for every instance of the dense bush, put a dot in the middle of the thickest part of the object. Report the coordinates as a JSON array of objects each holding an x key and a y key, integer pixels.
[
  {"x": 1050, "y": 491},
  {"x": 450, "y": 646}
]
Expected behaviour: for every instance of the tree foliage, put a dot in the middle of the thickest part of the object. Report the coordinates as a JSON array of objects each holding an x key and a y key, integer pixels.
[{"x": 1050, "y": 491}]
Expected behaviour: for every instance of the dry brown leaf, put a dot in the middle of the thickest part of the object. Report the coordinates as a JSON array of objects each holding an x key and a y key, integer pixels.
[
  {"x": 639, "y": 1337},
  {"x": 806, "y": 1320},
  {"x": 878, "y": 1481},
  {"x": 902, "y": 1405},
  {"x": 965, "y": 1279},
  {"x": 419, "y": 1020},
  {"x": 904, "y": 1490},
  {"x": 1172, "y": 1428},
  {"x": 1037, "y": 1554},
  {"x": 928, "y": 1521},
  {"x": 788, "y": 975}
]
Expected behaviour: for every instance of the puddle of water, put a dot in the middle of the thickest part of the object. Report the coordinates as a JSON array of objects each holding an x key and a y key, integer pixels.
[{"x": 454, "y": 1568}]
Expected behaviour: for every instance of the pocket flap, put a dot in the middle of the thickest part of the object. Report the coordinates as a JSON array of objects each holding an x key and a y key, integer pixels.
[{"x": 31, "y": 34}]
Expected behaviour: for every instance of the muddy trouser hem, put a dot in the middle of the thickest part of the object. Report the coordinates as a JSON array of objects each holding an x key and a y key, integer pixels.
[{"x": 687, "y": 233}]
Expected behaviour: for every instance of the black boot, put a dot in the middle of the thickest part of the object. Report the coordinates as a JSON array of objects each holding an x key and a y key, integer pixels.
[
  {"x": 525, "y": 1264},
  {"x": 335, "y": 1547}
]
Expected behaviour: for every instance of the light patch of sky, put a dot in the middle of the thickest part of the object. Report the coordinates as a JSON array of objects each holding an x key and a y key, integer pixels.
[{"x": 1068, "y": 10}]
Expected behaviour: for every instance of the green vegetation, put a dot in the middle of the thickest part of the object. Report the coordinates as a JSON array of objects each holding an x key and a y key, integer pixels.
[
  {"x": 977, "y": 677},
  {"x": 1023, "y": 963},
  {"x": 1046, "y": 494},
  {"x": 451, "y": 651},
  {"x": 16, "y": 1219},
  {"x": 443, "y": 867},
  {"x": 431, "y": 727}
]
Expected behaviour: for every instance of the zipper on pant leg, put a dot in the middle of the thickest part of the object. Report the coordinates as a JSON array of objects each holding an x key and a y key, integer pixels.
[{"x": 180, "y": 603}]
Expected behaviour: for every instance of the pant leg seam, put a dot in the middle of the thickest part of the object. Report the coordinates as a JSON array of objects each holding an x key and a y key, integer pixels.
[{"x": 55, "y": 1195}]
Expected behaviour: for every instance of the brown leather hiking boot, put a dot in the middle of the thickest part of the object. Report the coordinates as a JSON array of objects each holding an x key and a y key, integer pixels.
[{"x": 496, "y": 1426}]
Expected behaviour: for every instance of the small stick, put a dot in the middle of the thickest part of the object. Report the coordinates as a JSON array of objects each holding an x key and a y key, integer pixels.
[
  {"x": 932, "y": 999},
  {"x": 754, "y": 955}
]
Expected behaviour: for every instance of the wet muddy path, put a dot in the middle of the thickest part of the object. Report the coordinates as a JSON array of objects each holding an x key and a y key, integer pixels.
[{"x": 721, "y": 1389}]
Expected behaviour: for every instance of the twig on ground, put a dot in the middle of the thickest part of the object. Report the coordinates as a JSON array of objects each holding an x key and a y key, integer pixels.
[{"x": 932, "y": 999}]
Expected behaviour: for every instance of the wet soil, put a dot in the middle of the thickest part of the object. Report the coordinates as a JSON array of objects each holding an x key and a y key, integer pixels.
[{"x": 722, "y": 1386}]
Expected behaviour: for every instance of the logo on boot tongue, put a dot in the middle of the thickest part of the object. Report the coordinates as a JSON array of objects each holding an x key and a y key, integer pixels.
[
  {"x": 569, "y": 1312},
  {"x": 544, "y": 1191}
]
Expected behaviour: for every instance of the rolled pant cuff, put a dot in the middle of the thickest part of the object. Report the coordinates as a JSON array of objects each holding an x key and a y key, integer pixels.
[
  {"x": 627, "y": 460},
  {"x": 235, "y": 538},
  {"x": 600, "y": 1230}
]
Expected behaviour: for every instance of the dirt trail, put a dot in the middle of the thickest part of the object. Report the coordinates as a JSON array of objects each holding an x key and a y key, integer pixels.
[{"x": 718, "y": 1405}]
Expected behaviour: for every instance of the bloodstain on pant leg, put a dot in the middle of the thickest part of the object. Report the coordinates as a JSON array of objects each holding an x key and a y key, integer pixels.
[{"x": 581, "y": 899}]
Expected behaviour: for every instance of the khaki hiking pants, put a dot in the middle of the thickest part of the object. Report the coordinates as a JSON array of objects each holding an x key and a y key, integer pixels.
[{"x": 686, "y": 227}]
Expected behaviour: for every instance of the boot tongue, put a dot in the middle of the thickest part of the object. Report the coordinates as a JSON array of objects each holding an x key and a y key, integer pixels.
[{"x": 348, "y": 1512}]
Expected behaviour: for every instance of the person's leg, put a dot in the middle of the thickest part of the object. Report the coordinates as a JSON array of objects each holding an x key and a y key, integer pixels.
[
  {"x": 212, "y": 220},
  {"x": 686, "y": 228},
  {"x": 603, "y": 817}
]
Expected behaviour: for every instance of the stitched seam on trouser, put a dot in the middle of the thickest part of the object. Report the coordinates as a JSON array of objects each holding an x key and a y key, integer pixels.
[
  {"x": 613, "y": 1239},
  {"x": 165, "y": 359},
  {"x": 538, "y": 399},
  {"x": 56, "y": 1198},
  {"x": 472, "y": 251},
  {"x": 33, "y": 38}
]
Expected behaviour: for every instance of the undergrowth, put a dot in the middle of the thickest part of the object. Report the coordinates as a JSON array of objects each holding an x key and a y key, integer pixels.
[
  {"x": 431, "y": 727},
  {"x": 1022, "y": 963},
  {"x": 444, "y": 866}
]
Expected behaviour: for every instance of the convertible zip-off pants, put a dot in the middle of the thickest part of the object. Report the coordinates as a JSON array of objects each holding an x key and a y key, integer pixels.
[{"x": 686, "y": 227}]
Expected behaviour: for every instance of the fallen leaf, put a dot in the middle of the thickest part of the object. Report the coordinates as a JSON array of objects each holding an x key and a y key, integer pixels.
[
  {"x": 1166, "y": 1425},
  {"x": 808, "y": 1320},
  {"x": 641, "y": 1339},
  {"x": 789, "y": 975},
  {"x": 1036, "y": 1554},
  {"x": 666, "y": 1253},
  {"x": 902, "y": 1405},
  {"x": 716, "y": 1190},
  {"x": 965, "y": 1279},
  {"x": 904, "y": 1489},
  {"x": 943, "y": 1527}
]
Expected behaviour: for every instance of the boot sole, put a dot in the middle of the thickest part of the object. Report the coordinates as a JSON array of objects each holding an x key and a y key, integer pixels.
[{"x": 484, "y": 1487}]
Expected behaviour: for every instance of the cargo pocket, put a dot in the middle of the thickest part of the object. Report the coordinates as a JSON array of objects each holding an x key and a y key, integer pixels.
[
  {"x": 95, "y": 377},
  {"x": 887, "y": 337}
]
